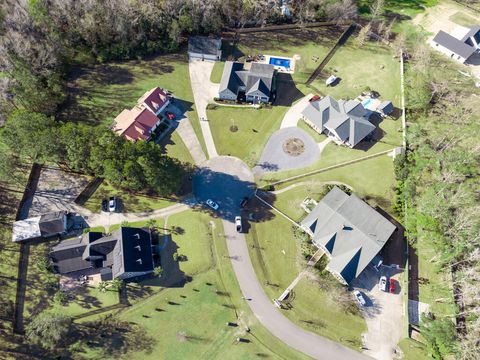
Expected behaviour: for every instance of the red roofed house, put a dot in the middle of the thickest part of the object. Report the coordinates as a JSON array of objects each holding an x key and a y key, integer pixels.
[{"x": 141, "y": 121}]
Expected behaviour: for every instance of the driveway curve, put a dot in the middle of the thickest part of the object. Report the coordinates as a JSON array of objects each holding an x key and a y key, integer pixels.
[
  {"x": 227, "y": 180},
  {"x": 295, "y": 112}
]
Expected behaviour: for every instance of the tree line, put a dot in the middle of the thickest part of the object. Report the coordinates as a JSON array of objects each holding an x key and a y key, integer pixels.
[{"x": 438, "y": 182}]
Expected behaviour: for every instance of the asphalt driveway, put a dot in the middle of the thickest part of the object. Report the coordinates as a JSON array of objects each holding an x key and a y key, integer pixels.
[{"x": 273, "y": 157}]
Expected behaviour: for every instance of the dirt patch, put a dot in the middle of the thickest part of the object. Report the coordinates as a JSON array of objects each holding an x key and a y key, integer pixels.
[{"x": 294, "y": 147}]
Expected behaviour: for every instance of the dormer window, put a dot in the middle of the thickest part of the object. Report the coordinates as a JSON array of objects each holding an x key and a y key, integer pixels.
[
  {"x": 139, "y": 261},
  {"x": 138, "y": 248},
  {"x": 136, "y": 236}
]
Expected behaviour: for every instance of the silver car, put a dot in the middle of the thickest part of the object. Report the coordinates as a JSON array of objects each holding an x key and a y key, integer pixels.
[
  {"x": 212, "y": 204},
  {"x": 359, "y": 297}
]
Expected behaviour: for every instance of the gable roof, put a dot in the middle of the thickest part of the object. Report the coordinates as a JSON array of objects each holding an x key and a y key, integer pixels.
[
  {"x": 46, "y": 225},
  {"x": 121, "y": 251},
  {"x": 204, "y": 45},
  {"x": 350, "y": 230},
  {"x": 135, "y": 124},
  {"x": 473, "y": 32},
  {"x": 258, "y": 78},
  {"x": 453, "y": 44},
  {"x": 347, "y": 118},
  {"x": 154, "y": 99}
]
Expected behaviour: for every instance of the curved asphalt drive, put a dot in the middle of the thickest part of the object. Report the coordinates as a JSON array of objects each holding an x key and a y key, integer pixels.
[{"x": 227, "y": 180}]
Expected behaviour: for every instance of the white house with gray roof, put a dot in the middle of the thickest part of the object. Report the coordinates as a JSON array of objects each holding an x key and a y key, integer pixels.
[
  {"x": 256, "y": 85},
  {"x": 349, "y": 231},
  {"x": 346, "y": 121},
  {"x": 460, "y": 45}
]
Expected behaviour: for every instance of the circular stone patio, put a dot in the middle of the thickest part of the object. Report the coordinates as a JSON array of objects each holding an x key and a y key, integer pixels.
[{"x": 288, "y": 148}]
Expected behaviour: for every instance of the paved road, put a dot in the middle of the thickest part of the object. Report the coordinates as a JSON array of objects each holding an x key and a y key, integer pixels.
[
  {"x": 203, "y": 91},
  {"x": 227, "y": 179},
  {"x": 263, "y": 308},
  {"x": 295, "y": 113}
]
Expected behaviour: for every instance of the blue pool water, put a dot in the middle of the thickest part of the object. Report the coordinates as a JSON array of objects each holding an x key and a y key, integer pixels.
[
  {"x": 280, "y": 62},
  {"x": 366, "y": 103}
]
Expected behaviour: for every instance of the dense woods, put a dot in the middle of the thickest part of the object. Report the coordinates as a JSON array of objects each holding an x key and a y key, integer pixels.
[{"x": 439, "y": 181}]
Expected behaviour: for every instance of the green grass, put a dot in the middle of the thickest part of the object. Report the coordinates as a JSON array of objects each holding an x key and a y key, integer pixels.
[
  {"x": 131, "y": 202},
  {"x": 315, "y": 135},
  {"x": 201, "y": 312},
  {"x": 307, "y": 43},
  {"x": 275, "y": 255},
  {"x": 413, "y": 350},
  {"x": 400, "y": 8},
  {"x": 216, "y": 75},
  {"x": 175, "y": 148},
  {"x": 463, "y": 19},
  {"x": 101, "y": 92},
  {"x": 371, "y": 178},
  {"x": 254, "y": 128},
  {"x": 372, "y": 66}
]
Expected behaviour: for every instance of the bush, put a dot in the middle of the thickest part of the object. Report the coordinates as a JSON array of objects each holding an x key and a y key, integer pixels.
[{"x": 212, "y": 107}]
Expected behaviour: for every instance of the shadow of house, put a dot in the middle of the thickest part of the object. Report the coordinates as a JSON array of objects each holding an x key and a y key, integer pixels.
[
  {"x": 287, "y": 91},
  {"x": 374, "y": 137}
]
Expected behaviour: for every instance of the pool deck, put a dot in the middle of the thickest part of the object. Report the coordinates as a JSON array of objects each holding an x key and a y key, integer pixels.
[{"x": 281, "y": 69}]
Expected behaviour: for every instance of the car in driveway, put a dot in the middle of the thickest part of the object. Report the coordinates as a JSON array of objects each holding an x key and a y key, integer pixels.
[
  {"x": 359, "y": 297},
  {"x": 212, "y": 204},
  {"x": 391, "y": 287},
  {"x": 382, "y": 284},
  {"x": 238, "y": 223},
  {"x": 112, "y": 204}
]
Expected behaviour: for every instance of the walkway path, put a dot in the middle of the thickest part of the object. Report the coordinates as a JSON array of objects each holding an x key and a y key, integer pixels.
[
  {"x": 295, "y": 112},
  {"x": 306, "y": 342},
  {"x": 186, "y": 132},
  {"x": 203, "y": 91}
]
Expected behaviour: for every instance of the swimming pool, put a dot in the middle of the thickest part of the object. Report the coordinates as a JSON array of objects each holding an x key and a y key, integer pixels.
[
  {"x": 367, "y": 103},
  {"x": 280, "y": 62}
]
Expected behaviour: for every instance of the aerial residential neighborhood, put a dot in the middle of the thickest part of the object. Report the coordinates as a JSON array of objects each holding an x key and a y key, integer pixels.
[{"x": 239, "y": 180}]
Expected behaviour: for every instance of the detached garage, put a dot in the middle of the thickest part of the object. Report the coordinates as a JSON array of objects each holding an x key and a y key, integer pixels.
[{"x": 202, "y": 47}]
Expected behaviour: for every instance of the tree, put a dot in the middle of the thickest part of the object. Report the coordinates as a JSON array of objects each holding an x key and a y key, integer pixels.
[
  {"x": 77, "y": 141},
  {"x": 362, "y": 36},
  {"x": 49, "y": 330},
  {"x": 440, "y": 336},
  {"x": 157, "y": 271},
  {"x": 342, "y": 10},
  {"x": 376, "y": 9},
  {"x": 32, "y": 135}
]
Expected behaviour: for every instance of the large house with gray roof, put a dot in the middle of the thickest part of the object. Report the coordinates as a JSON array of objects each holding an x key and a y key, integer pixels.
[
  {"x": 256, "y": 85},
  {"x": 346, "y": 121},
  {"x": 349, "y": 231},
  {"x": 124, "y": 254},
  {"x": 460, "y": 45}
]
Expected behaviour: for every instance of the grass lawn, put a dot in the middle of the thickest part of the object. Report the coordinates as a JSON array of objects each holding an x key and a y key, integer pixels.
[
  {"x": 175, "y": 148},
  {"x": 398, "y": 8},
  {"x": 254, "y": 128},
  {"x": 413, "y": 350},
  {"x": 216, "y": 75},
  {"x": 99, "y": 93},
  {"x": 130, "y": 202},
  {"x": 311, "y": 44},
  {"x": 372, "y": 66},
  {"x": 463, "y": 19},
  {"x": 363, "y": 177},
  {"x": 193, "y": 324},
  {"x": 315, "y": 135},
  {"x": 275, "y": 255},
  {"x": 334, "y": 154}
]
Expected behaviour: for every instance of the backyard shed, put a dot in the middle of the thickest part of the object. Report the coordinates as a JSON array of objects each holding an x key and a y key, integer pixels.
[{"x": 203, "y": 47}]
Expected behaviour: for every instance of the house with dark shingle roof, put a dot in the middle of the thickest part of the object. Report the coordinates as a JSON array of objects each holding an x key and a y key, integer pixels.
[
  {"x": 40, "y": 227},
  {"x": 256, "y": 85},
  {"x": 349, "y": 231},
  {"x": 126, "y": 253},
  {"x": 459, "y": 46},
  {"x": 205, "y": 47},
  {"x": 346, "y": 121}
]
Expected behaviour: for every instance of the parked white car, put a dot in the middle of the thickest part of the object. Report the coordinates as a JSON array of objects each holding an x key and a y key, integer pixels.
[
  {"x": 359, "y": 297},
  {"x": 382, "y": 284},
  {"x": 212, "y": 204},
  {"x": 238, "y": 223}
]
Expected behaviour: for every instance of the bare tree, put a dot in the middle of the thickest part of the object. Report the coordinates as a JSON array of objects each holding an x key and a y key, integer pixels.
[
  {"x": 362, "y": 36},
  {"x": 376, "y": 9},
  {"x": 343, "y": 10}
]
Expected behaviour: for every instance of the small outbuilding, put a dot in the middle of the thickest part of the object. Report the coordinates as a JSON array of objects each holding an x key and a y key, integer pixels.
[
  {"x": 460, "y": 45},
  {"x": 40, "y": 227},
  {"x": 205, "y": 48}
]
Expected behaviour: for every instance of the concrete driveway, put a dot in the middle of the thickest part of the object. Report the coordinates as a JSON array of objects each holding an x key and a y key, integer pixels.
[
  {"x": 274, "y": 158},
  {"x": 295, "y": 113},
  {"x": 383, "y": 313},
  {"x": 203, "y": 91}
]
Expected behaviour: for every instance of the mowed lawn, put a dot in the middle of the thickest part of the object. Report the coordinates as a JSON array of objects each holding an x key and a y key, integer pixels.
[
  {"x": 190, "y": 321},
  {"x": 311, "y": 44},
  {"x": 254, "y": 128},
  {"x": 372, "y": 179},
  {"x": 371, "y": 67},
  {"x": 275, "y": 255},
  {"x": 216, "y": 75},
  {"x": 97, "y": 94}
]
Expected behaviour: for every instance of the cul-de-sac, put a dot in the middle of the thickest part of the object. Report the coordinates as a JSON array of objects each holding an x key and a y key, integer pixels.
[{"x": 238, "y": 179}]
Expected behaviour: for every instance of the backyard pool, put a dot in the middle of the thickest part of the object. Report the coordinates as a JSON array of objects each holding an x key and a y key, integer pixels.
[{"x": 280, "y": 62}]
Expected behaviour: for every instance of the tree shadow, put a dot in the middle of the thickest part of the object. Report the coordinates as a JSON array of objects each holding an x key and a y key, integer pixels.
[{"x": 228, "y": 191}]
